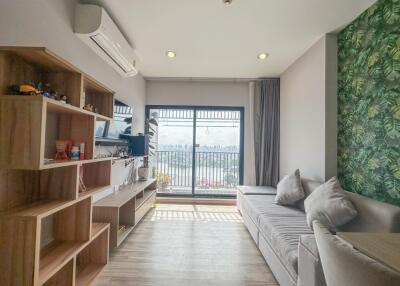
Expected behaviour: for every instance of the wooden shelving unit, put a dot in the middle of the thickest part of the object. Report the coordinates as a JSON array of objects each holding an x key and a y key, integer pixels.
[
  {"x": 96, "y": 95},
  {"x": 125, "y": 207},
  {"x": 47, "y": 236}
]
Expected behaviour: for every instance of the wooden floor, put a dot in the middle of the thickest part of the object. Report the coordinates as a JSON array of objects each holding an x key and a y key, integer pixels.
[{"x": 188, "y": 245}]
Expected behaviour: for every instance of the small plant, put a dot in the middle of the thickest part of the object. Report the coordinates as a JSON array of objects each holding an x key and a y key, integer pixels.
[
  {"x": 163, "y": 181},
  {"x": 150, "y": 130}
]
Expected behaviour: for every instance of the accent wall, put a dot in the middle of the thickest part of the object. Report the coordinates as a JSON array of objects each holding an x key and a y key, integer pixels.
[{"x": 369, "y": 103}]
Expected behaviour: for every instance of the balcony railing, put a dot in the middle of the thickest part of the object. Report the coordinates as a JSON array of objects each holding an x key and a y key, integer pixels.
[{"x": 215, "y": 172}]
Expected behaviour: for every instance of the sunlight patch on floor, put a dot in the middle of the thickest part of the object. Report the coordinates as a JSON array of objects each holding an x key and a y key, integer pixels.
[{"x": 205, "y": 213}]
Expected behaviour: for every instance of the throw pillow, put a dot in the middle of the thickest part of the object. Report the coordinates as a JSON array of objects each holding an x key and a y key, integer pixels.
[
  {"x": 289, "y": 189},
  {"x": 329, "y": 204}
]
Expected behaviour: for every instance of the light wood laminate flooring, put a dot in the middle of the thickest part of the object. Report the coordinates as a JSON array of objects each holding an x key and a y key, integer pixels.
[{"x": 179, "y": 245}]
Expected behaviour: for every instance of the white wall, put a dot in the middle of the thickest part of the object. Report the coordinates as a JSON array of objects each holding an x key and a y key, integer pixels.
[
  {"x": 308, "y": 113},
  {"x": 49, "y": 23},
  {"x": 212, "y": 93}
]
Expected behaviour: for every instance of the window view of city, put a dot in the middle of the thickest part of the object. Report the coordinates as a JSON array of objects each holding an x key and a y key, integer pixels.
[{"x": 216, "y": 158}]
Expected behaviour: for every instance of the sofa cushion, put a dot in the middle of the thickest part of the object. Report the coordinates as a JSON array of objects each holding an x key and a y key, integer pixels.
[
  {"x": 289, "y": 190},
  {"x": 330, "y": 205},
  {"x": 283, "y": 233},
  {"x": 258, "y": 205},
  {"x": 257, "y": 190},
  {"x": 308, "y": 186}
]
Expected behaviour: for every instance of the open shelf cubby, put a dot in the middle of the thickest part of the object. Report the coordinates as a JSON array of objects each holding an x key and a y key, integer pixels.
[
  {"x": 37, "y": 191},
  {"x": 30, "y": 125},
  {"x": 62, "y": 124},
  {"x": 62, "y": 235},
  {"x": 98, "y": 96},
  {"x": 92, "y": 259},
  {"x": 126, "y": 208},
  {"x": 47, "y": 233},
  {"x": 96, "y": 177},
  {"x": 25, "y": 65},
  {"x": 64, "y": 277}
]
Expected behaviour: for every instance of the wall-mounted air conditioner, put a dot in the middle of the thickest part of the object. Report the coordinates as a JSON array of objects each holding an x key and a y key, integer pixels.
[{"x": 96, "y": 28}]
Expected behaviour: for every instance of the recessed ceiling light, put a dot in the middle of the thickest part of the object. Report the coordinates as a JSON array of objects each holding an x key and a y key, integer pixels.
[
  {"x": 171, "y": 54},
  {"x": 262, "y": 56},
  {"x": 227, "y": 2}
]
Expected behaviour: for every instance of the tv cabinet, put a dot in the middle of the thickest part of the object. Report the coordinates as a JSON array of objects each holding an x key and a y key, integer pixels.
[{"x": 125, "y": 208}]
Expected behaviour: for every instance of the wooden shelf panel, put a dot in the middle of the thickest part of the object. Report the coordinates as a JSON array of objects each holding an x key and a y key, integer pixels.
[
  {"x": 65, "y": 108},
  {"x": 139, "y": 202},
  {"x": 119, "y": 198},
  {"x": 56, "y": 257},
  {"x": 60, "y": 253},
  {"x": 142, "y": 200},
  {"x": 142, "y": 210},
  {"x": 43, "y": 208},
  {"x": 141, "y": 185},
  {"x": 92, "y": 191},
  {"x": 59, "y": 164},
  {"x": 98, "y": 228},
  {"x": 42, "y": 57},
  {"x": 89, "y": 274},
  {"x": 63, "y": 277},
  {"x": 55, "y": 106},
  {"x": 123, "y": 234},
  {"x": 148, "y": 194},
  {"x": 39, "y": 209}
]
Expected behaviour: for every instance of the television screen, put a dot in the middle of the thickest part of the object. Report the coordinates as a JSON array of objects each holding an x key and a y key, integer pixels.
[
  {"x": 121, "y": 124},
  {"x": 100, "y": 128}
]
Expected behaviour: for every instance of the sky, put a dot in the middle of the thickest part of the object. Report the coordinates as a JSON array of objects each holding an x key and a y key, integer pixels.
[{"x": 208, "y": 132}]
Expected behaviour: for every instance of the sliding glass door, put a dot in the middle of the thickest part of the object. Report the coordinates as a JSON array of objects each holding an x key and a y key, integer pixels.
[
  {"x": 199, "y": 150},
  {"x": 217, "y": 152}
]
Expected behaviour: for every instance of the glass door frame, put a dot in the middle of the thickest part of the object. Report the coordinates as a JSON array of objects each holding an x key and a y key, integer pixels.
[{"x": 196, "y": 108}]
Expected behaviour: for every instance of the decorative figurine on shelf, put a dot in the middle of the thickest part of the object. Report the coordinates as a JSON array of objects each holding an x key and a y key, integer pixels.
[
  {"x": 88, "y": 107},
  {"x": 75, "y": 154},
  {"x": 63, "y": 98},
  {"x": 61, "y": 146},
  {"x": 47, "y": 91},
  {"x": 24, "y": 89},
  {"x": 39, "y": 89},
  {"x": 69, "y": 147}
]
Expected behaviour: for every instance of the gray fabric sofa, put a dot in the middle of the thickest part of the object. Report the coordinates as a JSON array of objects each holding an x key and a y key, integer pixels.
[{"x": 288, "y": 244}]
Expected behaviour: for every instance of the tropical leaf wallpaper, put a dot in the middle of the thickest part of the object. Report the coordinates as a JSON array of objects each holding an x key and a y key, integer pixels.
[{"x": 369, "y": 103}]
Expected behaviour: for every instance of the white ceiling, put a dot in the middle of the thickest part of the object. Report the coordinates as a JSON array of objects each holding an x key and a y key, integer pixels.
[{"x": 214, "y": 40}]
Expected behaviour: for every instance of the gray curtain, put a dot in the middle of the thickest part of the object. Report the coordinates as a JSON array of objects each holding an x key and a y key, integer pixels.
[{"x": 266, "y": 131}]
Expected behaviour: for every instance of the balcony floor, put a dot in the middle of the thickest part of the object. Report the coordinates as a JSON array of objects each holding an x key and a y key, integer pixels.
[{"x": 209, "y": 191}]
